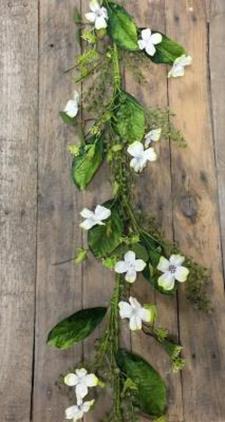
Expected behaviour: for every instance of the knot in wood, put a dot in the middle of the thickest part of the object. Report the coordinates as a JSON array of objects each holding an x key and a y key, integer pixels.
[{"x": 189, "y": 207}]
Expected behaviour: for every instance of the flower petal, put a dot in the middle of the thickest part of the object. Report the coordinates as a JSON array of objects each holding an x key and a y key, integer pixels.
[
  {"x": 176, "y": 71},
  {"x": 130, "y": 257},
  {"x": 163, "y": 264},
  {"x": 81, "y": 390},
  {"x": 71, "y": 108},
  {"x": 181, "y": 274},
  {"x": 145, "y": 314},
  {"x": 140, "y": 264},
  {"x": 150, "y": 49},
  {"x": 125, "y": 310},
  {"x": 121, "y": 267},
  {"x": 154, "y": 134},
  {"x": 156, "y": 38},
  {"x": 177, "y": 259},
  {"x": 137, "y": 164},
  {"x": 146, "y": 34},
  {"x": 81, "y": 372},
  {"x": 87, "y": 405},
  {"x": 134, "y": 303},
  {"x": 135, "y": 323},
  {"x": 88, "y": 224},
  {"x": 131, "y": 276},
  {"x": 136, "y": 149},
  {"x": 167, "y": 281},
  {"x": 102, "y": 213},
  {"x": 86, "y": 213},
  {"x": 71, "y": 412},
  {"x": 71, "y": 380},
  {"x": 184, "y": 60},
  {"x": 150, "y": 154},
  {"x": 91, "y": 380},
  {"x": 100, "y": 22},
  {"x": 141, "y": 44},
  {"x": 90, "y": 16},
  {"x": 94, "y": 5}
]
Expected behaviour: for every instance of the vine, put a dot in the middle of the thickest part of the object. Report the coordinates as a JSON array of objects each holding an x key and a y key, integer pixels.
[{"x": 124, "y": 133}]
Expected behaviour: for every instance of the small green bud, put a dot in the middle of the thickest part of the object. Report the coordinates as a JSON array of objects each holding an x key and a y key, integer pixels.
[
  {"x": 73, "y": 149},
  {"x": 117, "y": 147},
  {"x": 153, "y": 312},
  {"x": 81, "y": 255}
]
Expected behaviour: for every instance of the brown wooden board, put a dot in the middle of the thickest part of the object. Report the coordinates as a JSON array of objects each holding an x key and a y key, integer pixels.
[
  {"x": 154, "y": 197},
  {"x": 195, "y": 215},
  {"x": 59, "y": 287},
  {"x": 18, "y": 199},
  {"x": 39, "y": 206}
]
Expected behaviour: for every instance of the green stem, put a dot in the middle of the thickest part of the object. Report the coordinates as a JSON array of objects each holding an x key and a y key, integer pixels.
[{"x": 116, "y": 68}]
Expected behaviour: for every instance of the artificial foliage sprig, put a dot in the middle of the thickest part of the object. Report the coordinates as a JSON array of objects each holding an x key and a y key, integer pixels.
[{"x": 124, "y": 133}]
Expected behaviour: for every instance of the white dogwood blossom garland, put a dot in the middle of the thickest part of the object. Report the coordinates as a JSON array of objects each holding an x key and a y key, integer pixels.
[{"x": 125, "y": 134}]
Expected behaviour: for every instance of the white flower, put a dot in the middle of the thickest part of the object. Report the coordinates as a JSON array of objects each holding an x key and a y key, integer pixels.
[
  {"x": 93, "y": 218},
  {"x": 77, "y": 412},
  {"x": 72, "y": 106},
  {"x": 149, "y": 41},
  {"x": 81, "y": 380},
  {"x": 130, "y": 266},
  {"x": 135, "y": 313},
  {"x": 141, "y": 156},
  {"x": 173, "y": 270},
  {"x": 179, "y": 65},
  {"x": 98, "y": 15},
  {"x": 152, "y": 136}
]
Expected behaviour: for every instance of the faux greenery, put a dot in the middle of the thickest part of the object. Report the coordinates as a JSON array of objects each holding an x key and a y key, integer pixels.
[{"x": 124, "y": 133}]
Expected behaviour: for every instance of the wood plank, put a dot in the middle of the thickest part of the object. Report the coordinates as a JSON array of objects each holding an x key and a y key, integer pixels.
[
  {"x": 58, "y": 287},
  {"x": 217, "y": 79},
  {"x": 196, "y": 227},
  {"x": 98, "y": 282},
  {"x": 154, "y": 196},
  {"x": 18, "y": 197}
]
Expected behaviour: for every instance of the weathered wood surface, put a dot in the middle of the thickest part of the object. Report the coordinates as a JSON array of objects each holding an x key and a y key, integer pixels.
[{"x": 40, "y": 208}]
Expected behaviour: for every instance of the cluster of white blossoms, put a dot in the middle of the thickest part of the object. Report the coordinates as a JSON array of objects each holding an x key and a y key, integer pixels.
[
  {"x": 148, "y": 42},
  {"x": 81, "y": 381},
  {"x": 172, "y": 268}
]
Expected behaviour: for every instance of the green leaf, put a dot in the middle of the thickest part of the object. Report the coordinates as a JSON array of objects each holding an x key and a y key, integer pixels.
[
  {"x": 103, "y": 240},
  {"x": 75, "y": 328},
  {"x": 87, "y": 162},
  {"x": 67, "y": 119},
  {"x": 129, "y": 118},
  {"x": 167, "y": 51},
  {"x": 121, "y": 27},
  {"x": 151, "y": 390},
  {"x": 140, "y": 251}
]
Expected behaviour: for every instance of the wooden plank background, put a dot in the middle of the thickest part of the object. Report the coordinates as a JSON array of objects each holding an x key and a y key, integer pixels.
[{"x": 39, "y": 207}]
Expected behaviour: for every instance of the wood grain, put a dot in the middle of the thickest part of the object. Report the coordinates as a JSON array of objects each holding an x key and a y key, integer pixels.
[
  {"x": 154, "y": 197},
  {"x": 217, "y": 80},
  {"x": 196, "y": 225},
  {"x": 59, "y": 287},
  {"x": 183, "y": 188},
  {"x": 18, "y": 198}
]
